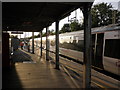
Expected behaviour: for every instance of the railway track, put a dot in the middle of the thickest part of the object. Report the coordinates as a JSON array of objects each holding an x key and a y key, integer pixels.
[
  {"x": 96, "y": 81},
  {"x": 93, "y": 67}
]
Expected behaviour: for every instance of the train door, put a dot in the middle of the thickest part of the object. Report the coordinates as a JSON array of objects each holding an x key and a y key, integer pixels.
[
  {"x": 111, "y": 57},
  {"x": 99, "y": 50}
]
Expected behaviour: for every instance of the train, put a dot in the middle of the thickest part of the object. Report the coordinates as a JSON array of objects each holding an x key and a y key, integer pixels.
[{"x": 105, "y": 46}]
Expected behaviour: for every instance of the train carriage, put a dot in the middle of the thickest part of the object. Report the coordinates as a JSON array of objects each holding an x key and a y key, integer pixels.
[{"x": 105, "y": 46}]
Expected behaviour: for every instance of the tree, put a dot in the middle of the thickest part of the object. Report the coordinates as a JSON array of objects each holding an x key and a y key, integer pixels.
[
  {"x": 13, "y": 36},
  {"x": 52, "y": 32},
  {"x": 65, "y": 28},
  {"x": 75, "y": 26},
  {"x": 117, "y": 20},
  {"x": 101, "y": 14}
]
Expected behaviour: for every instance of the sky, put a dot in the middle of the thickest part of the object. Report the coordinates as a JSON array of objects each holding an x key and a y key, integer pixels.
[{"x": 79, "y": 17}]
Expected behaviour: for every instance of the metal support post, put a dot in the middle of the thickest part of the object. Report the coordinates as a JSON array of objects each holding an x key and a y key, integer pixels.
[
  {"x": 32, "y": 42},
  {"x": 47, "y": 45},
  {"x": 41, "y": 43},
  {"x": 114, "y": 17},
  {"x": 1, "y": 44},
  {"x": 57, "y": 45},
  {"x": 28, "y": 44},
  {"x": 87, "y": 47}
]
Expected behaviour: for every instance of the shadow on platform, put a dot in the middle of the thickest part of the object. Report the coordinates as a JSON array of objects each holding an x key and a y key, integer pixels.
[{"x": 33, "y": 75}]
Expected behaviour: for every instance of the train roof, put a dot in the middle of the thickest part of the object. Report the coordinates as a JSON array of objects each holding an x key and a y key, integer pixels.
[{"x": 111, "y": 27}]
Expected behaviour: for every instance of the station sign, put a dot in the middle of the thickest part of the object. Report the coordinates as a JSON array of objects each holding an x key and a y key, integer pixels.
[{"x": 17, "y": 32}]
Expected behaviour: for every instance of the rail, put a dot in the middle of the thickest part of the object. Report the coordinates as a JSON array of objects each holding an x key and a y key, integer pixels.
[
  {"x": 93, "y": 67},
  {"x": 79, "y": 62}
]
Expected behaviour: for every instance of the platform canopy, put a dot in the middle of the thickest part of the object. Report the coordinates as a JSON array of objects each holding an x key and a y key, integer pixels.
[{"x": 35, "y": 16}]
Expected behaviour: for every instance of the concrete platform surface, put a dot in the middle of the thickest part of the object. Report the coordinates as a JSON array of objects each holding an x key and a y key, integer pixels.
[{"x": 37, "y": 73}]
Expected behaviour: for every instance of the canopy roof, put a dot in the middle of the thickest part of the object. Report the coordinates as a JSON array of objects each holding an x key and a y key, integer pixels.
[{"x": 35, "y": 16}]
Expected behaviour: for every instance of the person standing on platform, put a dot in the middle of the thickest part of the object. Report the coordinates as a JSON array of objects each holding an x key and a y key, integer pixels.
[
  {"x": 15, "y": 43},
  {"x": 21, "y": 45}
]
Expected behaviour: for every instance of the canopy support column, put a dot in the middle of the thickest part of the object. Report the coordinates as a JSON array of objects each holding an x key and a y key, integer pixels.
[
  {"x": 32, "y": 42},
  {"x": 47, "y": 45},
  {"x": 87, "y": 46},
  {"x": 28, "y": 44},
  {"x": 57, "y": 45},
  {"x": 41, "y": 43}
]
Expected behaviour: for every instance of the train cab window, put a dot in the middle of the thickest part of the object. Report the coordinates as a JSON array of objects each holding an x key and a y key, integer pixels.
[{"x": 112, "y": 48}]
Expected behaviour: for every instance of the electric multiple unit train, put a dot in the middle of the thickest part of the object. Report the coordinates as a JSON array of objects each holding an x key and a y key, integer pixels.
[{"x": 105, "y": 46}]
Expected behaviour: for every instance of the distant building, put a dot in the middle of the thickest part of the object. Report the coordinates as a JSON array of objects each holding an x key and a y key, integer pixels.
[{"x": 119, "y": 6}]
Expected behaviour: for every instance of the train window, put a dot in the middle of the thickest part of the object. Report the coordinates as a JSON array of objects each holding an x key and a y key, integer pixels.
[
  {"x": 79, "y": 46},
  {"x": 112, "y": 48}
]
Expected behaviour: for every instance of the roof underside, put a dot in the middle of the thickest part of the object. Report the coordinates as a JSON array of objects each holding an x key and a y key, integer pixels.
[{"x": 34, "y": 16}]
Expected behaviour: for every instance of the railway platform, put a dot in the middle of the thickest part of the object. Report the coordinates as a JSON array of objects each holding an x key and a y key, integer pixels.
[{"x": 30, "y": 71}]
